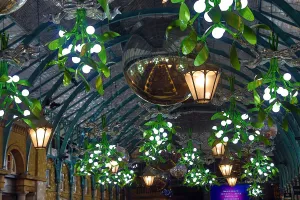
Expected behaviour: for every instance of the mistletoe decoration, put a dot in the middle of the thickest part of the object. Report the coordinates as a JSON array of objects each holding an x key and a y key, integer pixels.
[
  {"x": 80, "y": 50},
  {"x": 14, "y": 100},
  {"x": 189, "y": 155},
  {"x": 280, "y": 92},
  {"x": 158, "y": 138},
  {"x": 259, "y": 169},
  {"x": 255, "y": 190},
  {"x": 199, "y": 176},
  {"x": 228, "y": 16}
]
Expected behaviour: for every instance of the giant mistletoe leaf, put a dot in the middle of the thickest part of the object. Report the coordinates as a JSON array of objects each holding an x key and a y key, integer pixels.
[
  {"x": 202, "y": 56},
  {"x": 249, "y": 35},
  {"x": 189, "y": 43},
  {"x": 234, "y": 59}
]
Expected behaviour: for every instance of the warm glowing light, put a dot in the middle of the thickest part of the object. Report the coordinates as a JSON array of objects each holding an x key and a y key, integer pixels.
[
  {"x": 232, "y": 181},
  {"x": 40, "y": 137},
  {"x": 203, "y": 84},
  {"x": 148, "y": 180},
  {"x": 113, "y": 166},
  {"x": 218, "y": 150},
  {"x": 225, "y": 167}
]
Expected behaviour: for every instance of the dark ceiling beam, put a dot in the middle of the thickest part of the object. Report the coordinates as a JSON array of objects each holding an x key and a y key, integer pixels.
[
  {"x": 287, "y": 9},
  {"x": 278, "y": 18}
]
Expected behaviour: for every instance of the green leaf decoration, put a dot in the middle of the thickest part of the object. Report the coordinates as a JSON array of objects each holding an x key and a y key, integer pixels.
[
  {"x": 84, "y": 49},
  {"x": 189, "y": 43},
  {"x": 67, "y": 78},
  {"x": 4, "y": 78},
  {"x": 285, "y": 124},
  {"x": 90, "y": 62},
  {"x": 256, "y": 97},
  {"x": 249, "y": 35},
  {"x": 291, "y": 107},
  {"x": 36, "y": 107},
  {"x": 233, "y": 20},
  {"x": 108, "y": 36},
  {"x": 55, "y": 44},
  {"x": 270, "y": 121},
  {"x": 99, "y": 85},
  {"x": 104, "y": 69},
  {"x": 247, "y": 14},
  {"x": 262, "y": 26},
  {"x": 173, "y": 25},
  {"x": 184, "y": 16},
  {"x": 177, "y": 1},
  {"x": 169, "y": 147},
  {"x": 257, "y": 125},
  {"x": 254, "y": 84},
  {"x": 218, "y": 115},
  {"x": 102, "y": 54},
  {"x": 215, "y": 14},
  {"x": 202, "y": 56},
  {"x": 261, "y": 116},
  {"x": 24, "y": 83},
  {"x": 234, "y": 59},
  {"x": 105, "y": 7}
]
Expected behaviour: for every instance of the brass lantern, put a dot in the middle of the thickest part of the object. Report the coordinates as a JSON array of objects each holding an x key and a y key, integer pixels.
[
  {"x": 148, "y": 177},
  {"x": 225, "y": 167},
  {"x": 113, "y": 166},
  {"x": 232, "y": 181},
  {"x": 40, "y": 135},
  {"x": 203, "y": 82},
  {"x": 219, "y": 149}
]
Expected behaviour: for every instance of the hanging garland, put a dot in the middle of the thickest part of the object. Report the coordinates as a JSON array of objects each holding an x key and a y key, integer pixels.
[
  {"x": 280, "y": 91},
  {"x": 80, "y": 50},
  {"x": 158, "y": 138},
  {"x": 255, "y": 190},
  {"x": 234, "y": 126},
  {"x": 199, "y": 176},
  {"x": 13, "y": 101},
  {"x": 228, "y": 16}
]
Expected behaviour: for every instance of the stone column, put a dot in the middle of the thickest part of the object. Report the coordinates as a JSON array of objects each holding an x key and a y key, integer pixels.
[{"x": 22, "y": 196}]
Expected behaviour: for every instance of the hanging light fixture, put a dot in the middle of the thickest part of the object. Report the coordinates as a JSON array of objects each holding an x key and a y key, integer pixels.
[
  {"x": 225, "y": 167},
  {"x": 41, "y": 134},
  {"x": 148, "y": 177},
  {"x": 113, "y": 166},
  {"x": 203, "y": 82},
  {"x": 232, "y": 181},
  {"x": 219, "y": 149}
]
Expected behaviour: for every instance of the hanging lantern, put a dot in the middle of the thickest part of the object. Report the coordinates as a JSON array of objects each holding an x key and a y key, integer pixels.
[
  {"x": 148, "y": 177},
  {"x": 225, "y": 167},
  {"x": 113, "y": 166},
  {"x": 219, "y": 149},
  {"x": 232, "y": 181},
  {"x": 203, "y": 82},
  {"x": 40, "y": 135}
]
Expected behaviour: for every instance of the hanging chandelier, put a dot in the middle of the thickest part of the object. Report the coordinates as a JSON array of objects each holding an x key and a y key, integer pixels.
[
  {"x": 40, "y": 135},
  {"x": 225, "y": 167},
  {"x": 203, "y": 82},
  {"x": 231, "y": 181},
  {"x": 219, "y": 149}
]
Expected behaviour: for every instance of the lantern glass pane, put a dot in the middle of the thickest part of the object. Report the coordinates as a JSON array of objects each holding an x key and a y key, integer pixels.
[{"x": 148, "y": 180}]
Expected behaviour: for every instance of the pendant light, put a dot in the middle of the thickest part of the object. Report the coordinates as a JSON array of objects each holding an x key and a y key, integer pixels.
[
  {"x": 225, "y": 166},
  {"x": 40, "y": 135},
  {"x": 218, "y": 149},
  {"x": 232, "y": 181}
]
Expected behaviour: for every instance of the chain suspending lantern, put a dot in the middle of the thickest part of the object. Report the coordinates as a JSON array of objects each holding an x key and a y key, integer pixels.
[
  {"x": 158, "y": 139},
  {"x": 80, "y": 50},
  {"x": 229, "y": 16},
  {"x": 14, "y": 102}
]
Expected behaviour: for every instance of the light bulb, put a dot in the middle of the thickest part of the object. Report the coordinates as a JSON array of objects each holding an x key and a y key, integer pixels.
[
  {"x": 157, "y": 138},
  {"x": 86, "y": 69},
  {"x": 15, "y": 78},
  {"x": 15, "y": 116},
  {"x": 70, "y": 47},
  {"x": 90, "y": 160},
  {"x": 245, "y": 116},
  {"x": 25, "y": 92},
  {"x": 238, "y": 126},
  {"x": 161, "y": 130},
  {"x": 267, "y": 96},
  {"x": 228, "y": 121},
  {"x": 92, "y": 155},
  {"x": 26, "y": 113},
  {"x": 279, "y": 90},
  {"x": 155, "y": 131},
  {"x": 244, "y": 3},
  {"x": 65, "y": 52},
  {"x": 235, "y": 141},
  {"x": 207, "y": 17},
  {"x": 284, "y": 92},
  {"x": 225, "y": 139},
  {"x": 296, "y": 93},
  {"x": 17, "y": 100},
  {"x": 1, "y": 113},
  {"x": 165, "y": 134},
  {"x": 272, "y": 164},
  {"x": 199, "y": 6},
  {"x": 223, "y": 123},
  {"x": 268, "y": 167},
  {"x": 96, "y": 164},
  {"x": 276, "y": 107},
  {"x": 9, "y": 80},
  {"x": 151, "y": 138},
  {"x": 119, "y": 159},
  {"x": 90, "y": 30},
  {"x": 257, "y": 132},
  {"x": 97, "y": 48},
  {"x": 214, "y": 128},
  {"x": 251, "y": 137},
  {"x": 169, "y": 124},
  {"x": 287, "y": 76},
  {"x": 218, "y": 32},
  {"x": 257, "y": 164},
  {"x": 225, "y": 4},
  {"x": 76, "y": 60},
  {"x": 61, "y": 33},
  {"x": 79, "y": 47},
  {"x": 267, "y": 90}
]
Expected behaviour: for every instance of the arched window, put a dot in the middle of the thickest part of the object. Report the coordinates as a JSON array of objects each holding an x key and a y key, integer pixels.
[{"x": 11, "y": 163}]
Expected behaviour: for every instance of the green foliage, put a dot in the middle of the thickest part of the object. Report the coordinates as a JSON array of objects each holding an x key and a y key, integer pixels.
[
  {"x": 78, "y": 44},
  {"x": 189, "y": 155},
  {"x": 158, "y": 139},
  {"x": 230, "y": 21}
]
